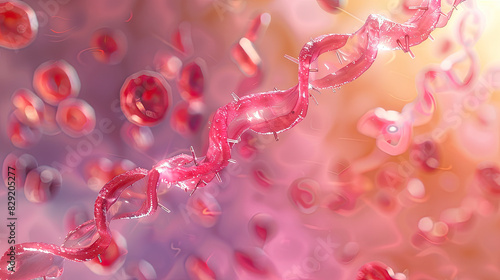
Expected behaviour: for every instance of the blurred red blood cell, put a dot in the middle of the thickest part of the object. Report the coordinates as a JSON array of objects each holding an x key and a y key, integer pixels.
[
  {"x": 138, "y": 137},
  {"x": 246, "y": 57},
  {"x": 203, "y": 209},
  {"x": 29, "y": 107},
  {"x": 19, "y": 166},
  {"x": 22, "y": 135},
  {"x": 263, "y": 227},
  {"x": 258, "y": 25},
  {"x": 489, "y": 178},
  {"x": 112, "y": 259},
  {"x": 192, "y": 80},
  {"x": 425, "y": 154},
  {"x": 75, "y": 117},
  {"x": 198, "y": 269},
  {"x": 42, "y": 184},
  {"x": 98, "y": 172},
  {"x": 303, "y": 193},
  {"x": 262, "y": 176},
  {"x": 141, "y": 270},
  {"x": 187, "y": 118},
  {"x": 75, "y": 216},
  {"x": 168, "y": 65},
  {"x": 181, "y": 39},
  {"x": 108, "y": 45},
  {"x": 18, "y": 24},
  {"x": 374, "y": 271},
  {"x": 55, "y": 81},
  {"x": 332, "y": 6},
  {"x": 122, "y": 166},
  {"x": 253, "y": 261},
  {"x": 145, "y": 98}
]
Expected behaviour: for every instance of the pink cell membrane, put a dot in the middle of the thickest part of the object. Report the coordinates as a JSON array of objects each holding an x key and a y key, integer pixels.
[
  {"x": 145, "y": 98},
  {"x": 55, "y": 81},
  {"x": 18, "y": 24},
  {"x": 384, "y": 180}
]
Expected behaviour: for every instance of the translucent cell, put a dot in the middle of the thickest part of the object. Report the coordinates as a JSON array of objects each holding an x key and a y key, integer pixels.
[
  {"x": 303, "y": 193},
  {"x": 20, "y": 166},
  {"x": 97, "y": 172},
  {"x": 22, "y": 135},
  {"x": 138, "y": 137},
  {"x": 258, "y": 25},
  {"x": 29, "y": 107},
  {"x": 141, "y": 270},
  {"x": 262, "y": 227},
  {"x": 263, "y": 176},
  {"x": 122, "y": 166},
  {"x": 198, "y": 269},
  {"x": 168, "y": 65},
  {"x": 75, "y": 117},
  {"x": 332, "y": 6},
  {"x": 112, "y": 259},
  {"x": 203, "y": 209},
  {"x": 434, "y": 232},
  {"x": 253, "y": 261},
  {"x": 187, "y": 118},
  {"x": 374, "y": 271},
  {"x": 182, "y": 40},
  {"x": 246, "y": 57},
  {"x": 55, "y": 81},
  {"x": 145, "y": 98},
  {"x": 425, "y": 155},
  {"x": 18, "y": 24},
  {"x": 192, "y": 80},
  {"x": 42, "y": 184},
  {"x": 489, "y": 178},
  {"x": 108, "y": 45},
  {"x": 76, "y": 216}
]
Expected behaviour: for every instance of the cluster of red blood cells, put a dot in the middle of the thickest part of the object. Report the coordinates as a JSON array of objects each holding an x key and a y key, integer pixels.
[{"x": 145, "y": 98}]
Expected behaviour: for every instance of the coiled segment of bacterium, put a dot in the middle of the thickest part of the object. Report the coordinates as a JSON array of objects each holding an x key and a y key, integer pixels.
[{"x": 269, "y": 112}]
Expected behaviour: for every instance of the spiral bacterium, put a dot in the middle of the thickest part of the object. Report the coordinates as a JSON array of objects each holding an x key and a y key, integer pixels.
[{"x": 269, "y": 112}]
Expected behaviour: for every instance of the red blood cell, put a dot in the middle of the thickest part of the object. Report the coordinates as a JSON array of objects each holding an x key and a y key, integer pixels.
[
  {"x": 109, "y": 45},
  {"x": 42, "y": 184},
  {"x": 262, "y": 175},
  {"x": 18, "y": 25},
  {"x": 203, "y": 209},
  {"x": 332, "y": 6},
  {"x": 141, "y": 270},
  {"x": 254, "y": 262},
  {"x": 112, "y": 259},
  {"x": 138, "y": 137},
  {"x": 192, "y": 80},
  {"x": 21, "y": 135},
  {"x": 19, "y": 166},
  {"x": 263, "y": 227},
  {"x": 55, "y": 81},
  {"x": 425, "y": 155},
  {"x": 122, "y": 166},
  {"x": 303, "y": 193},
  {"x": 246, "y": 57},
  {"x": 489, "y": 178},
  {"x": 97, "y": 172},
  {"x": 167, "y": 65},
  {"x": 181, "y": 39},
  {"x": 187, "y": 118},
  {"x": 198, "y": 269},
  {"x": 29, "y": 107},
  {"x": 75, "y": 117},
  {"x": 75, "y": 216},
  {"x": 145, "y": 98},
  {"x": 258, "y": 25},
  {"x": 374, "y": 271}
]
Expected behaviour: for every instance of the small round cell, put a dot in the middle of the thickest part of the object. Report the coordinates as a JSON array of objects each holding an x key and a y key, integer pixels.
[
  {"x": 203, "y": 209},
  {"x": 42, "y": 184},
  {"x": 55, "y": 81},
  {"x": 145, "y": 98},
  {"x": 18, "y": 25},
  {"x": 198, "y": 269},
  {"x": 262, "y": 227},
  {"x": 108, "y": 46},
  {"x": 22, "y": 135},
  {"x": 303, "y": 193},
  {"x": 488, "y": 175},
  {"x": 187, "y": 118},
  {"x": 16, "y": 168},
  {"x": 332, "y": 6},
  {"x": 29, "y": 107},
  {"x": 374, "y": 271},
  {"x": 168, "y": 65},
  {"x": 192, "y": 80},
  {"x": 75, "y": 117},
  {"x": 137, "y": 137}
]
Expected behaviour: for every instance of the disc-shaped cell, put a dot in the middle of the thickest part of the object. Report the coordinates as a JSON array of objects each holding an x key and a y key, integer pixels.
[
  {"x": 303, "y": 193},
  {"x": 42, "y": 184},
  {"x": 168, "y": 65},
  {"x": 203, "y": 209},
  {"x": 198, "y": 269},
  {"x": 15, "y": 169},
  {"x": 192, "y": 80},
  {"x": 75, "y": 117},
  {"x": 108, "y": 45},
  {"x": 488, "y": 175},
  {"x": 22, "y": 135},
  {"x": 332, "y": 6},
  {"x": 55, "y": 81},
  {"x": 145, "y": 98},
  {"x": 29, "y": 107},
  {"x": 112, "y": 259},
  {"x": 374, "y": 271},
  {"x": 187, "y": 118},
  {"x": 18, "y": 25},
  {"x": 138, "y": 137},
  {"x": 263, "y": 227}
]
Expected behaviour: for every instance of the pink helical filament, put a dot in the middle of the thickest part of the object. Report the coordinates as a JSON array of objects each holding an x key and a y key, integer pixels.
[{"x": 267, "y": 113}]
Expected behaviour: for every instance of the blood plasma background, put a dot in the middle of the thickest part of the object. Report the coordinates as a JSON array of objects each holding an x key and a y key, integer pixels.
[{"x": 394, "y": 175}]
